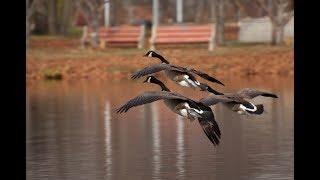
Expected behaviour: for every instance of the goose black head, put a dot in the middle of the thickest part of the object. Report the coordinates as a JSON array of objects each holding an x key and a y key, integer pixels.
[
  {"x": 151, "y": 79},
  {"x": 154, "y": 80},
  {"x": 156, "y": 55},
  {"x": 205, "y": 87},
  {"x": 150, "y": 54}
]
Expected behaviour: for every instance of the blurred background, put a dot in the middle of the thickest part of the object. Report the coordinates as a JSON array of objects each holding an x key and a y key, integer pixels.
[{"x": 81, "y": 53}]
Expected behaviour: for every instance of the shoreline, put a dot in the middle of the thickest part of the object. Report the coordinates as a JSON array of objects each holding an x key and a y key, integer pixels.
[{"x": 62, "y": 57}]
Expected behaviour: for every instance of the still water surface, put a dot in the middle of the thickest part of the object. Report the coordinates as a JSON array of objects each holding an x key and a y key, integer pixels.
[{"x": 73, "y": 132}]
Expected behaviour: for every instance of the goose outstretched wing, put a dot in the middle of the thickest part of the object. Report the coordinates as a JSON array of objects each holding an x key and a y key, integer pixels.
[
  {"x": 149, "y": 97},
  {"x": 211, "y": 129},
  {"x": 233, "y": 98},
  {"x": 153, "y": 69},
  {"x": 206, "y": 76},
  {"x": 252, "y": 93},
  {"x": 214, "y": 99}
]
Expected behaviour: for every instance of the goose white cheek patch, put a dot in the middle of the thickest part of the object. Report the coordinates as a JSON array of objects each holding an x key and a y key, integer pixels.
[{"x": 248, "y": 109}]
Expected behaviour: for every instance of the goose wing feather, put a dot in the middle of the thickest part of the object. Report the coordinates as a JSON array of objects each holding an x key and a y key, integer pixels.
[
  {"x": 252, "y": 93},
  {"x": 206, "y": 76},
  {"x": 211, "y": 129},
  {"x": 149, "y": 97},
  {"x": 153, "y": 69},
  {"x": 214, "y": 99},
  {"x": 234, "y": 98}
]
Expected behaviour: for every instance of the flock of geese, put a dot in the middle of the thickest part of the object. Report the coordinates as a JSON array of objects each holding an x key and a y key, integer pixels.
[{"x": 189, "y": 108}]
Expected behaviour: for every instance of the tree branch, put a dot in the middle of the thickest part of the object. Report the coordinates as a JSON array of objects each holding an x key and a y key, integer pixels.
[
  {"x": 32, "y": 7},
  {"x": 287, "y": 18},
  {"x": 266, "y": 9},
  {"x": 239, "y": 5}
]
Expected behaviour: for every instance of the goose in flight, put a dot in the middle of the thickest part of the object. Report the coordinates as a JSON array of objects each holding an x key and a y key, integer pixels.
[
  {"x": 237, "y": 101},
  {"x": 180, "y": 75},
  {"x": 181, "y": 105}
]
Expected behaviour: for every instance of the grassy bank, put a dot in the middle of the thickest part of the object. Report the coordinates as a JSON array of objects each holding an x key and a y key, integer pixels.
[{"x": 62, "y": 57}]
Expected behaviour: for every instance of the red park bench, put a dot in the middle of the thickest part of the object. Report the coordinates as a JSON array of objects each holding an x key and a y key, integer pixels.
[
  {"x": 189, "y": 34},
  {"x": 122, "y": 36}
]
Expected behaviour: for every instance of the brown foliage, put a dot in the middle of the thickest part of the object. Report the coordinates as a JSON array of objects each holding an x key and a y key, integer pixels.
[{"x": 117, "y": 64}]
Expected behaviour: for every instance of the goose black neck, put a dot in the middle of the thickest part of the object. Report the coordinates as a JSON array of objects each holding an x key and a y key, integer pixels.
[
  {"x": 163, "y": 87},
  {"x": 209, "y": 89},
  {"x": 163, "y": 60}
]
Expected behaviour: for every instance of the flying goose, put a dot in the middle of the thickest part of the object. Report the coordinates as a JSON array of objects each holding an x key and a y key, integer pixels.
[
  {"x": 181, "y": 105},
  {"x": 237, "y": 101},
  {"x": 180, "y": 75}
]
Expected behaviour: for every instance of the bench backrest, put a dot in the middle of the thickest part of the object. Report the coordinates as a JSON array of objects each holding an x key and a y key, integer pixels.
[
  {"x": 122, "y": 35},
  {"x": 182, "y": 34}
]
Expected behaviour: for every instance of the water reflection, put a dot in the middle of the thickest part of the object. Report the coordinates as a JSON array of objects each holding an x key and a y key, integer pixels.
[
  {"x": 73, "y": 132},
  {"x": 108, "y": 131},
  {"x": 156, "y": 157},
  {"x": 180, "y": 146}
]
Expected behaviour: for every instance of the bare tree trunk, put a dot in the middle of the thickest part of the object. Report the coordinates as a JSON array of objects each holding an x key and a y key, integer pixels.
[
  {"x": 179, "y": 10},
  {"x": 276, "y": 12},
  {"x": 199, "y": 11},
  {"x": 155, "y": 12},
  {"x": 274, "y": 34},
  {"x": 27, "y": 23},
  {"x": 30, "y": 9},
  {"x": 113, "y": 12},
  {"x": 129, "y": 8},
  {"x": 66, "y": 17},
  {"x": 213, "y": 11},
  {"x": 94, "y": 33},
  {"x": 281, "y": 34},
  {"x": 219, "y": 36},
  {"x": 52, "y": 16},
  {"x": 84, "y": 37},
  {"x": 107, "y": 14},
  {"x": 238, "y": 14}
]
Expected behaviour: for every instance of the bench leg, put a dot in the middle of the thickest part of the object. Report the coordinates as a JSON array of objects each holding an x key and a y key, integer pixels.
[
  {"x": 141, "y": 37},
  {"x": 140, "y": 45},
  {"x": 211, "y": 46},
  {"x": 102, "y": 44}
]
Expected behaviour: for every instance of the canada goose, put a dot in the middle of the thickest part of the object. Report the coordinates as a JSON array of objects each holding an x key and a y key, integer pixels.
[
  {"x": 237, "y": 101},
  {"x": 181, "y": 76},
  {"x": 181, "y": 105}
]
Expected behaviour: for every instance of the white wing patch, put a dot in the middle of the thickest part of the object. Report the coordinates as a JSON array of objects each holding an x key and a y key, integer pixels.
[
  {"x": 184, "y": 112},
  {"x": 189, "y": 82},
  {"x": 184, "y": 83},
  {"x": 198, "y": 111}
]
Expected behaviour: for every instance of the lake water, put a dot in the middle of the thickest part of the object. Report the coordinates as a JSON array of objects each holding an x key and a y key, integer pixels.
[{"x": 73, "y": 132}]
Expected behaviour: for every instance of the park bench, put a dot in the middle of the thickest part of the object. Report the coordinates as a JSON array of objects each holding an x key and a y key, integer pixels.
[
  {"x": 189, "y": 34},
  {"x": 121, "y": 36}
]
